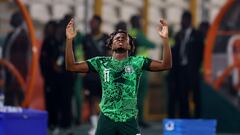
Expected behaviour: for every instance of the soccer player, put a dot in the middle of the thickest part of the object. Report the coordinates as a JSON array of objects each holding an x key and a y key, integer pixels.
[{"x": 119, "y": 76}]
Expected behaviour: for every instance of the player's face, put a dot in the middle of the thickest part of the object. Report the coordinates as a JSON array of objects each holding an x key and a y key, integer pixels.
[{"x": 120, "y": 43}]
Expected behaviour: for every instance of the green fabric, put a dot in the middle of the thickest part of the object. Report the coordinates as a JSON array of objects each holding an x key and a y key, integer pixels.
[
  {"x": 78, "y": 97},
  {"x": 119, "y": 84},
  {"x": 108, "y": 127},
  {"x": 142, "y": 91},
  {"x": 77, "y": 45}
]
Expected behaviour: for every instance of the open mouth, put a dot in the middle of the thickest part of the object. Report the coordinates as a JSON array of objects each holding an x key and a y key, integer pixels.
[{"x": 120, "y": 50}]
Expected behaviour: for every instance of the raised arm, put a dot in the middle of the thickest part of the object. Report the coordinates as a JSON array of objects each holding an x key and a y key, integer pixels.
[
  {"x": 166, "y": 62},
  {"x": 71, "y": 64}
]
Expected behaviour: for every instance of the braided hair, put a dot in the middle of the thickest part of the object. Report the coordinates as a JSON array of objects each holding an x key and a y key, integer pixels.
[{"x": 131, "y": 40}]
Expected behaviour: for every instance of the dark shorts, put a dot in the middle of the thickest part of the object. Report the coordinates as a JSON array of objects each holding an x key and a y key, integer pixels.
[{"x": 107, "y": 126}]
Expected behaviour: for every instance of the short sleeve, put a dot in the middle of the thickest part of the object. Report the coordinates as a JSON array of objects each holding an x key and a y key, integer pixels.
[
  {"x": 93, "y": 64},
  {"x": 146, "y": 64}
]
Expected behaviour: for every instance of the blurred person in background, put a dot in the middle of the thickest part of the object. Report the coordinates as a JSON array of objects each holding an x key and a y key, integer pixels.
[
  {"x": 235, "y": 67},
  {"x": 184, "y": 77},
  {"x": 143, "y": 44},
  {"x": 232, "y": 71},
  {"x": 203, "y": 29},
  {"x": 58, "y": 82},
  {"x": 119, "y": 76},
  {"x": 121, "y": 25},
  {"x": 66, "y": 80},
  {"x": 16, "y": 50},
  {"x": 48, "y": 58},
  {"x": 94, "y": 44}
]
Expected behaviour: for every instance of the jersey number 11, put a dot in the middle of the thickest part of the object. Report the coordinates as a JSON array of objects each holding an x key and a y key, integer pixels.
[{"x": 106, "y": 75}]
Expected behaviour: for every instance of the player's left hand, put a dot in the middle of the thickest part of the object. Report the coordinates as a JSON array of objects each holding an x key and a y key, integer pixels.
[{"x": 163, "y": 29}]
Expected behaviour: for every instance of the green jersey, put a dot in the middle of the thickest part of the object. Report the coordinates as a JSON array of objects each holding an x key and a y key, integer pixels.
[{"x": 119, "y": 84}]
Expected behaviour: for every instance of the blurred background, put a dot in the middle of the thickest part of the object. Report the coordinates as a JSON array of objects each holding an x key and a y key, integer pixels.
[{"x": 203, "y": 84}]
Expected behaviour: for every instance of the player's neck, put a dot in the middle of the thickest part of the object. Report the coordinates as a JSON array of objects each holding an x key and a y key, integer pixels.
[{"x": 120, "y": 56}]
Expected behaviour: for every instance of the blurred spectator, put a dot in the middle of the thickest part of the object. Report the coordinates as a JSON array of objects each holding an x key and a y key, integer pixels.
[
  {"x": 142, "y": 44},
  {"x": 184, "y": 76},
  {"x": 48, "y": 65},
  {"x": 121, "y": 25},
  {"x": 16, "y": 50},
  {"x": 94, "y": 45},
  {"x": 59, "y": 83},
  {"x": 232, "y": 72},
  {"x": 203, "y": 28},
  {"x": 66, "y": 79},
  {"x": 236, "y": 69}
]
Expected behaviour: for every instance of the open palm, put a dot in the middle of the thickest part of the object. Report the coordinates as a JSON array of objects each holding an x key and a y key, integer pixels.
[
  {"x": 163, "y": 29},
  {"x": 70, "y": 30}
]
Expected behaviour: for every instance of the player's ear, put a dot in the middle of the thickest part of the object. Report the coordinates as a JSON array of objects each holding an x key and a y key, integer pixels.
[{"x": 129, "y": 43}]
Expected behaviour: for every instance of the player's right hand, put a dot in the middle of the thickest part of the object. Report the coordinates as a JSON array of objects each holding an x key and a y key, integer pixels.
[
  {"x": 163, "y": 29},
  {"x": 70, "y": 30}
]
